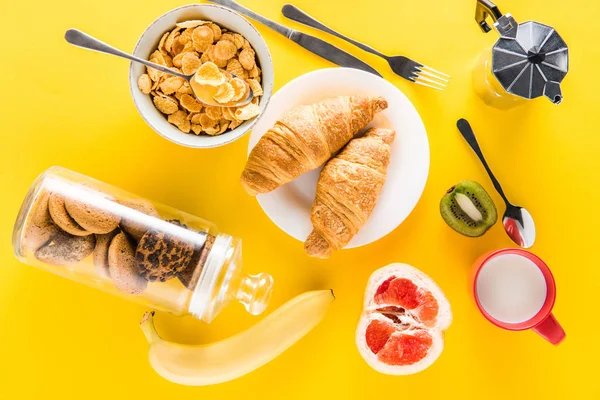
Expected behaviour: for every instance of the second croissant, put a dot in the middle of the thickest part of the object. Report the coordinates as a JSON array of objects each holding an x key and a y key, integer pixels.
[{"x": 347, "y": 190}]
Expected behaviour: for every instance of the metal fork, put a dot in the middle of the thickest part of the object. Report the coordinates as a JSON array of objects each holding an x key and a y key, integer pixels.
[{"x": 403, "y": 66}]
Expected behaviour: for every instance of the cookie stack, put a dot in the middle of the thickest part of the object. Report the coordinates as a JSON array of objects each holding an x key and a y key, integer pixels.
[{"x": 64, "y": 231}]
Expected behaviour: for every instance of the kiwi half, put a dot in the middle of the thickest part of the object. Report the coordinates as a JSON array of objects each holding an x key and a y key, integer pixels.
[{"x": 468, "y": 209}]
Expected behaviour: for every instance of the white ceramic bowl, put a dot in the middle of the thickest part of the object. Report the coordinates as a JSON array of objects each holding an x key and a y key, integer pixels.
[{"x": 149, "y": 41}]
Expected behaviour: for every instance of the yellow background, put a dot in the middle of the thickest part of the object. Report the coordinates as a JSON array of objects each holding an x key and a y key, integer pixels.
[{"x": 65, "y": 106}]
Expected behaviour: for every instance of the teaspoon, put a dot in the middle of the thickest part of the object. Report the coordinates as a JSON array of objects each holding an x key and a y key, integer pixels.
[
  {"x": 517, "y": 221},
  {"x": 81, "y": 39}
]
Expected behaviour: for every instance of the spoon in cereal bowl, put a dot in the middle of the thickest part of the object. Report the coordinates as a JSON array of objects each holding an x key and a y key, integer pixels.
[{"x": 210, "y": 85}]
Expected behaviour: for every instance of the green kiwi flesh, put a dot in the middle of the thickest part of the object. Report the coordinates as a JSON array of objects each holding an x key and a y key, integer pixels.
[{"x": 468, "y": 209}]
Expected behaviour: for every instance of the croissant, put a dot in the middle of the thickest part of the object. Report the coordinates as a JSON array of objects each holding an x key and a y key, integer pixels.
[
  {"x": 305, "y": 138},
  {"x": 347, "y": 191}
]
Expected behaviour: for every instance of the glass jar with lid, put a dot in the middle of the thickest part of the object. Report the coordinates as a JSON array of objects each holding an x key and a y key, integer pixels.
[{"x": 107, "y": 238}]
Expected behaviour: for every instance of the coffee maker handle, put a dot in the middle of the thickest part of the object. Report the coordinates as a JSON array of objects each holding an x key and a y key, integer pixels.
[{"x": 484, "y": 9}]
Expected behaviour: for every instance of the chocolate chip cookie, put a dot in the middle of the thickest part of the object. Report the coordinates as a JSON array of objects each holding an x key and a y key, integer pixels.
[{"x": 161, "y": 256}]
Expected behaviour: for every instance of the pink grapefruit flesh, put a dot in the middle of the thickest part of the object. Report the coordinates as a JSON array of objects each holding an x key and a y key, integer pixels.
[
  {"x": 405, "y": 349},
  {"x": 378, "y": 334},
  {"x": 404, "y": 293},
  {"x": 405, "y": 314}
]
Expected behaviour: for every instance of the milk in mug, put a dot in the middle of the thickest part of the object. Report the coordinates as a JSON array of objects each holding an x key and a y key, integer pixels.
[{"x": 511, "y": 288}]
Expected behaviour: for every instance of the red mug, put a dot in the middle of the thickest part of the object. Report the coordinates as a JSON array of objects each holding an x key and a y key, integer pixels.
[{"x": 542, "y": 322}]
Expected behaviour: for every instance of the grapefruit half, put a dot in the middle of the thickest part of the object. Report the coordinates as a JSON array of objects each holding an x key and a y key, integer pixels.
[{"x": 404, "y": 316}]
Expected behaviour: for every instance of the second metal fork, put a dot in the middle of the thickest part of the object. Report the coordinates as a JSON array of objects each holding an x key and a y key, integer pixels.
[{"x": 403, "y": 66}]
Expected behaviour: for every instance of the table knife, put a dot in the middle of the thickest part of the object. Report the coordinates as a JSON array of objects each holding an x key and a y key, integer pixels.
[{"x": 311, "y": 43}]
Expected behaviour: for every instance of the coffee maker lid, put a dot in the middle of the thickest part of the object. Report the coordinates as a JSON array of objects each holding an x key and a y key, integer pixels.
[{"x": 531, "y": 63}]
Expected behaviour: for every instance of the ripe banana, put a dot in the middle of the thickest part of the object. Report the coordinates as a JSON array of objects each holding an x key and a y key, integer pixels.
[{"x": 222, "y": 361}]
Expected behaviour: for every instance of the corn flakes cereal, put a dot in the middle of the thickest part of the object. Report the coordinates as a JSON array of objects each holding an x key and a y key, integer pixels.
[
  {"x": 225, "y": 93},
  {"x": 177, "y": 60},
  {"x": 212, "y": 131},
  {"x": 191, "y": 24},
  {"x": 202, "y": 37},
  {"x": 235, "y": 68},
  {"x": 171, "y": 84},
  {"x": 214, "y": 59},
  {"x": 154, "y": 60},
  {"x": 190, "y": 103},
  {"x": 145, "y": 83},
  {"x": 204, "y": 57},
  {"x": 220, "y": 63},
  {"x": 158, "y": 57},
  {"x": 196, "y": 119},
  {"x": 170, "y": 39},
  {"x": 177, "y": 46},
  {"x": 228, "y": 36},
  {"x": 206, "y": 121},
  {"x": 160, "y": 80},
  {"x": 179, "y": 119},
  {"x": 210, "y": 74},
  {"x": 187, "y": 48},
  {"x": 214, "y": 112},
  {"x": 246, "y": 58},
  {"x": 224, "y": 124},
  {"x": 216, "y": 31},
  {"x": 190, "y": 63},
  {"x": 239, "y": 89},
  {"x": 238, "y": 40},
  {"x": 228, "y": 114},
  {"x": 185, "y": 126},
  {"x": 257, "y": 89},
  {"x": 254, "y": 73},
  {"x": 196, "y": 128},
  {"x": 185, "y": 89},
  {"x": 165, "y": 104},
  {"x": 247, "y": 112},
  {"x": 186, "y": 36},
  {"x": 235, "y": 123},
  {"x": 225, "y": 50},
  {"x": 209, "y": 52},
  {"x": 161, "y": 44},
  {"x": 161, "y": 58},
  {"x": 154, "y": 73},
  {"x": 155, "y": 85}
]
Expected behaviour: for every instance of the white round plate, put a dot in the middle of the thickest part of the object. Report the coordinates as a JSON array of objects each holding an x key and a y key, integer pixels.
[{"x": 289, "y": 205}]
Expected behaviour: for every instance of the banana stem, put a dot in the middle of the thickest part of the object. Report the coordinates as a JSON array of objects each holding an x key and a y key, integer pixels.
[{"x": 147, "y": 325}]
